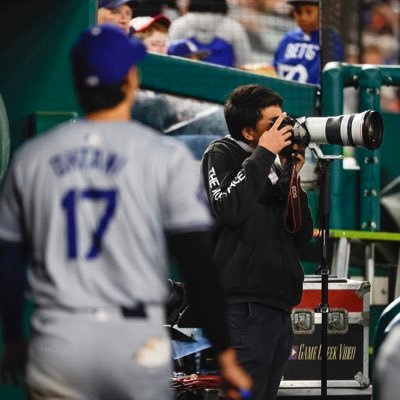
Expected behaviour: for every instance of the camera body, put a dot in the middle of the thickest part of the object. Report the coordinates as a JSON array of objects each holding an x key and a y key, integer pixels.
[{"x": 302, "y": 139}]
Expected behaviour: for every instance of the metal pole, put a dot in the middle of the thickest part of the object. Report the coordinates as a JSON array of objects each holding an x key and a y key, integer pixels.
[
  {"x": 370, "y": 268},
  {"x": 323, "y": 269}
]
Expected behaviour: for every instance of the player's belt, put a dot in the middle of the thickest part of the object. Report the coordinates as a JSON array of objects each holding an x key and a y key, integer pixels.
[
  {"x": 138, "y": 311},
  {"x": 105, "y": 312},
  {"x": 134, "y": 312}
]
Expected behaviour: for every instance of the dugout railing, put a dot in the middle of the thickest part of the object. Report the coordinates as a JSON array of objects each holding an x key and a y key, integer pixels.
[
  {"x": 213, "y": 83},
  {"x": 368, "y": 79}
]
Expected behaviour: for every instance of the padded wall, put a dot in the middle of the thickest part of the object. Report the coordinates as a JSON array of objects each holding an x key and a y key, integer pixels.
[{"x": 35, "y": 37}]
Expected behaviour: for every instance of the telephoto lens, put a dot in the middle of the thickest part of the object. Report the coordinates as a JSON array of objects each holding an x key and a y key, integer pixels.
[{"x": 363, "y": 129}]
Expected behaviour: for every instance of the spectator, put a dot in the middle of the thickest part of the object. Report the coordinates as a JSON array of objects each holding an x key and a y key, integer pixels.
[
  {"x": 207, "y": 25},
  {"x": 164, "y": 112},
  {"x": 182, "y": 6},
  {"x": 115, "y": 12},
  {"x": 265, "y": 23},
  {"x": 152, "y": 31},
  {"x": 151, "y": 108},
  {"x": 297, "y": 56},
  {"x": 173, "y": 9}
]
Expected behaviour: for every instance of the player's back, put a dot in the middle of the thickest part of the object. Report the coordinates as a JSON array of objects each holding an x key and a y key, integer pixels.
[{"x": 96, "y": 198}]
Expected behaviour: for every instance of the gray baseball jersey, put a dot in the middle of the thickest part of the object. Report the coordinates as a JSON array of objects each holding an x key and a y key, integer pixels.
[{"x": 93, "y": 201}]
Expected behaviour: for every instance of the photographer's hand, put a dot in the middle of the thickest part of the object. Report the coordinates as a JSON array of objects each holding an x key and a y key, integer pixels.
[
  {"x": 298, "y": 157},
  {"x": 276, "y": 139},
  {"x": 300, "y": 160}
]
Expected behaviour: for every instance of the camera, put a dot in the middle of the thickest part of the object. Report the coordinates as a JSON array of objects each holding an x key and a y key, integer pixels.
[{"x": 362, "y": 129}]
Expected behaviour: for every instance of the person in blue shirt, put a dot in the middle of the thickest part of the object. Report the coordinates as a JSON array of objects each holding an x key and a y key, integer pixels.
[
  {"x": 208, "y": 26},
  {"x": 298, "y": 56}
]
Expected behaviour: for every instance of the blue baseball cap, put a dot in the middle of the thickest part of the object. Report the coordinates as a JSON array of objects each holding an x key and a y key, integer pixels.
[
  {"x": 103, "y": 54},
  {"x": 111, "y": 4},
  {"x": 296, "y": 2},
  {"x": 186, "y": 48}
]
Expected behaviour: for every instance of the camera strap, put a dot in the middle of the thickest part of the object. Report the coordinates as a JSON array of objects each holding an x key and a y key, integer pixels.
[{"x": 292, "y": 212}]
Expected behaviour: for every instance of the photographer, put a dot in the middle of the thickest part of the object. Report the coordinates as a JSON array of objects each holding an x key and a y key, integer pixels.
[{"x": 257, "y": 230}]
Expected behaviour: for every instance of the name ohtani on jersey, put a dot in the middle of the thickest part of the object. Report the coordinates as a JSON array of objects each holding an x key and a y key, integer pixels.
[{"x": 85, "y": 158}]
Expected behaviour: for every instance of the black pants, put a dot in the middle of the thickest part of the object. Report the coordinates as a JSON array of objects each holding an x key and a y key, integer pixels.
[{"x": 262, "y": 337}]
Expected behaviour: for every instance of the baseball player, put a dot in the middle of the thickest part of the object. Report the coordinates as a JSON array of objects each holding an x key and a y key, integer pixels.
[{"x": 94, "y": 205}]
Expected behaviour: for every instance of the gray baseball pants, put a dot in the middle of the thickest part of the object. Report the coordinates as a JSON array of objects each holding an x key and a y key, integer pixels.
[{"x": 99, "y": 354}]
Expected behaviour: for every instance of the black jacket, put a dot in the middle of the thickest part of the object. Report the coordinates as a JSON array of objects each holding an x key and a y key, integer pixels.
[{"x": 257, "y": 257}]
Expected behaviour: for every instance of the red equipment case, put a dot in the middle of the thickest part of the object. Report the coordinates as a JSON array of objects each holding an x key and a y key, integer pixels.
[
  {"x": 348, "y": 323},
  {"x": 347, "y": 354}
]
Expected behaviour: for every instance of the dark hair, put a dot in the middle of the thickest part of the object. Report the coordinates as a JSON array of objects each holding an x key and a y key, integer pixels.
[
  {"x": 244, "y": 105},
  {"x": 215, "y": 6},
  {"x": 93, "y": 99}
]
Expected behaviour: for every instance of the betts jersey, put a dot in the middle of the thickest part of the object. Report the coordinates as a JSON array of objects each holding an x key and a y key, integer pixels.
[
  {"x": 92, "y": 201},
  {"x": 297, "y": 57}
]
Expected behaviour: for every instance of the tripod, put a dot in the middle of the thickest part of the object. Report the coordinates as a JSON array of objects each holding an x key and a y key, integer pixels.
[{"x": 323, "y": 270}]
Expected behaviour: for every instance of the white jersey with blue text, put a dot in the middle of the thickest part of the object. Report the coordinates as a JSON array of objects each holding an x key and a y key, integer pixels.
[
  {"x": 298, "y": 58},
  {"x": 93, "y": 201}
]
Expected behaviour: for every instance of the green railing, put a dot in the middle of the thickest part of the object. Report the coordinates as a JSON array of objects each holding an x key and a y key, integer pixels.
[
  {"x": 369, "y": 79},
  {"x": 365, "y": 235},
  {"x": 213, "y": 83},
  {"x": 369, "y": 240}
]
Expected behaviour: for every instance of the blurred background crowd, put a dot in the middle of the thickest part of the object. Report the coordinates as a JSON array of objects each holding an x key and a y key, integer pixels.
[{"x": 369, "y": 30}]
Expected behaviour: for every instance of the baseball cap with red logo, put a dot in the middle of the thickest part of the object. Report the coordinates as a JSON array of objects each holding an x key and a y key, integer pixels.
[{"x": 140, "y": 24}]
